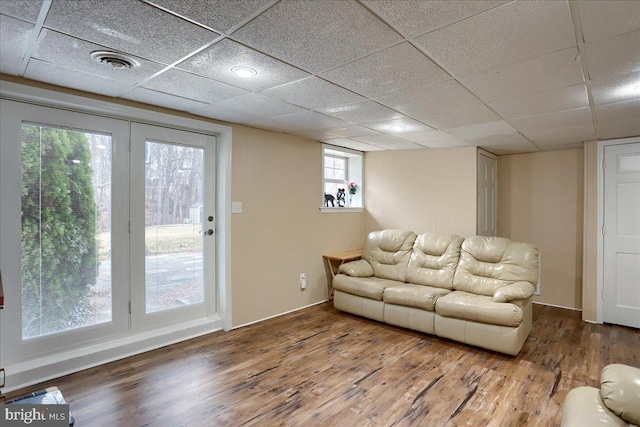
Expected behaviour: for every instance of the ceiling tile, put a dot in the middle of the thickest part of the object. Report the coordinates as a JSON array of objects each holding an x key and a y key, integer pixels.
[
  {"x": 57, "y": 75},
  {"x": 381, "y": 140},
  {"x": 466, "y": 114},
  {"x": 220, "y": 15},
  {"x": 560, "y": 128},
  {"x": 217, "y": 61},
  {"x": 27, "y": 10},
  {"x": 166, "y": 100},
  {"x": 413, "y": 17},
  {"x": 616, "y": 88},
  {"x": 402, "y": 146},
  {"x": 223, "y": 114},
  {"x": 317, "y": 134},
  {"x": 483, "y": 130},
  {"x": 129, "y": 26},
  {"x": 615, "y": 55},
  {"x": 397, "y": 126},
  {"x": 428, "y": 136},
  {"x": 498, "y": 140},
  {"x": 517, "y": 148},
  {"x": 555, "y": 70},
  {"x": 194, "y": 87},
  {"x": 602, "y": 19},
  {"x": 566, "y": 98},
  {"x": 317, "y": 35},
  {"x": 398, "y": 68},
  {"x": 260, "y": 105},
  {"x": 580, "y": 116},
  {"x": 420, "y": 101},
  {"x": 75, "y": 54},
  {"x": 444, "y": 144},
  {"x": 361, "y": 112},
  {"x": 354, "y": 145},
  {"x": 619, "y": 119},
  {"x": 310, "y": 120},
  {"x": 14, "y": 40},
  {"x": 313, "y": 93},
  {"x": 350, "y": 131},
  {"x": 505, "y": 35},
  {"x": 561, "y": 136}
]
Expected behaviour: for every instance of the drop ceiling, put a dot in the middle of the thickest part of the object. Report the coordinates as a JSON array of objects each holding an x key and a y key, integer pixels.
[{"x": 508, "y": 76}]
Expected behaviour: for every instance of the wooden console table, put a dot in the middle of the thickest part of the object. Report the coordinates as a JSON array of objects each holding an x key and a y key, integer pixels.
[{"x": 332, "y": 263}]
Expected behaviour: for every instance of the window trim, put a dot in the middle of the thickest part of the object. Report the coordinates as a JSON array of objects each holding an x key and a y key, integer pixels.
[{"x": 355, "y": 161}]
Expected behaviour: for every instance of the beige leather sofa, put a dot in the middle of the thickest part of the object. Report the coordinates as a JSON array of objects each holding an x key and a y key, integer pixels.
[
  {"x": 476, "y": 290},
  {"x": 616, "y": 403}
]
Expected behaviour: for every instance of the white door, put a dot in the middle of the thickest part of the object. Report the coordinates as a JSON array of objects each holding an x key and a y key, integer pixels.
[
  {"x": 487, "y": 195},
  {"x": 172, "y": 225},
  {"x": 622, "y": 234}
]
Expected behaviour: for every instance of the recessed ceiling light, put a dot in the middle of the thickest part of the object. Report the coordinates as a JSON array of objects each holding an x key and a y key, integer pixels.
[
  {"x": 244, "y": 71},
  {"x": 114, "y": 60},
  {"x": 398, "y": 128}
]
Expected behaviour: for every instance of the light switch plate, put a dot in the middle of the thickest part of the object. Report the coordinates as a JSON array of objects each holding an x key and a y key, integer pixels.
[{"x": 236, "y": 207}]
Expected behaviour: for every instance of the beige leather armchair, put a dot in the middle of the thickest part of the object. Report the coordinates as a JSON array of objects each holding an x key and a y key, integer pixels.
[{"x": 615, "y": 403}]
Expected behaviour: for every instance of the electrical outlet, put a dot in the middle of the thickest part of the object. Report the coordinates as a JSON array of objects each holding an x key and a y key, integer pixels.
[{"x": 303, "y": 281}]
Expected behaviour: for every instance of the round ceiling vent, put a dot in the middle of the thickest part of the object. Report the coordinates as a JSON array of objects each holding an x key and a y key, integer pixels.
[{"x": 114, "y": 60}]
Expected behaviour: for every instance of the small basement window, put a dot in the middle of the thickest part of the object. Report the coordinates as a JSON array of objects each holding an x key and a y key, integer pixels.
[{"x": 341, "y": 179}]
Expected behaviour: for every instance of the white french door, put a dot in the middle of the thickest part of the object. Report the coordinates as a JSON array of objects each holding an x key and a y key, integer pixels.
[
  {"x": 104, "y": 230},
  {"x": 172, "y": 225},
  {"x": 622, "y": 234},
  {"x": 64, "y": 185}
]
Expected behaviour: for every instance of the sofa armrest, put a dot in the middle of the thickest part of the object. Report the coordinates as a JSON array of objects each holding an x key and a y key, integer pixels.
[
  {"x": 514, "y": 291},
  {"x": 620, "y": 391},
  {"x": 359, "y": 268}
]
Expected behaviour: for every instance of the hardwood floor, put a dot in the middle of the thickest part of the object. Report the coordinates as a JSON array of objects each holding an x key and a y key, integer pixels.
[{"x": 321, "y": 367}]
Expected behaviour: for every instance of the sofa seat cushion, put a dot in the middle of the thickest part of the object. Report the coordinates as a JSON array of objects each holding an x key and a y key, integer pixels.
[
  {"x": 368, "y": 287},
  {"x": 479, "y": 308},
  {"x": 620, "y": 391},
  {"x": 410, "y": 295}
]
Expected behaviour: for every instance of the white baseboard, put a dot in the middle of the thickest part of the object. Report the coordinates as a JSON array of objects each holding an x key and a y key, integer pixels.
[
  {"x": 278, "y": 315},
  {"x": 557, "y": 306}
]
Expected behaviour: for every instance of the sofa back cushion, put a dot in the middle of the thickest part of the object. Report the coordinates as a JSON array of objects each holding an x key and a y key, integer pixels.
[
  {"x": 434, "y": 258},
  {"x": 388, "y": 253},
  {"x": 489, "y": 263},
  {"x": 620, "y": 391}
]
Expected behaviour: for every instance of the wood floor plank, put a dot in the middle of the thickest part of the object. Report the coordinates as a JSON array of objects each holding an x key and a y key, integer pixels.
[{"x": 322, "y": 367}]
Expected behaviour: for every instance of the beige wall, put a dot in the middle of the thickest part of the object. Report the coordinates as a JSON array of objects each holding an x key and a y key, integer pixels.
[
  {"x": 540, "y": 200},
  {"x": 421, "y": 190},
  {"x": 281, "y": 232}
]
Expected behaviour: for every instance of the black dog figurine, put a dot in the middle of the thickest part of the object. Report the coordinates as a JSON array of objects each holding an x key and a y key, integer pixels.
[
  {"x": 329, "y": 198},
  {"x": 341, "y": 197}
]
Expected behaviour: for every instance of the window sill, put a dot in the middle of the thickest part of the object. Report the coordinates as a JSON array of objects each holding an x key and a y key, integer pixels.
[{"x": 340, "y": 210}]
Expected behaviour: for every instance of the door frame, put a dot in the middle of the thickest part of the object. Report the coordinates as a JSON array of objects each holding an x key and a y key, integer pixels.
[{"x": 600, "y": 222}]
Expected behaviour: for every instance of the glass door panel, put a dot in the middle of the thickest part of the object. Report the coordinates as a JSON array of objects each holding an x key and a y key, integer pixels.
[
  {"x": 66, "y": 229},
  {"x": 174, "y": 274}
]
